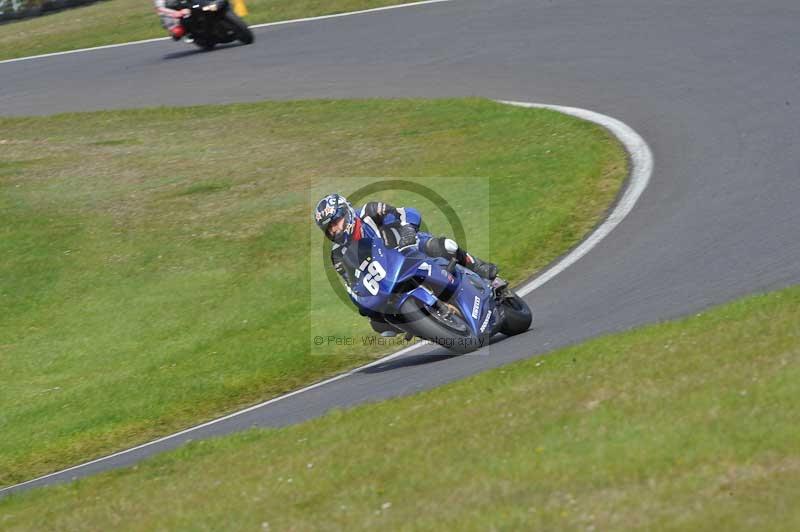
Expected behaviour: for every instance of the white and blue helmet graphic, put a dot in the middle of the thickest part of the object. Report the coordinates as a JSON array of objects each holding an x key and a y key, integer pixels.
[{"x": 330, "y": 209}]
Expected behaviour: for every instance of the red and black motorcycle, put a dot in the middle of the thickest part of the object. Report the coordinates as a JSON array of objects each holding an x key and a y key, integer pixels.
[{"x": 212, "y": 22}]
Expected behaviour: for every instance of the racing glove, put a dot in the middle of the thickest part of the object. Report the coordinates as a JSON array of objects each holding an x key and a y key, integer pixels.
[{"x": 408, "y": 236}]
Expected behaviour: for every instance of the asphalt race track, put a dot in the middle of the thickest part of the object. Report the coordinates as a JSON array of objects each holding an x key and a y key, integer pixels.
[{"x": 713, "y": 87}]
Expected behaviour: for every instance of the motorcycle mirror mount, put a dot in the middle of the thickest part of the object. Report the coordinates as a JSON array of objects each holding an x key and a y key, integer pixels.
[{"x": 451, "y": 266}]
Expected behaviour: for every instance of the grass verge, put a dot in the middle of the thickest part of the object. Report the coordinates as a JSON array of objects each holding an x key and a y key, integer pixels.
[
  {"x": 155, "y": 263},
  {"x": 119, "y": 21},
  {"x": 687, "y": 425}
]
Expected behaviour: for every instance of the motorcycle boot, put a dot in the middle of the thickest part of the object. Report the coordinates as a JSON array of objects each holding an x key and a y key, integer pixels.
[
  {"x": 487, "y": 270},
  {"x": 388, "y": 330},
  {"x": 383, "y": 328}
]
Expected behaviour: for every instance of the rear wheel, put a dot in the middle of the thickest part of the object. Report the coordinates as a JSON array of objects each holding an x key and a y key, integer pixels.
[
  {"x": 518, "y": 315},
  {"x": 439, "y": 325},
  {"x": 240, "y": 28}
]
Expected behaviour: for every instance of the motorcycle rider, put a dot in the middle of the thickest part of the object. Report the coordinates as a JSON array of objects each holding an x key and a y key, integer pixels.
[
  {"x": 171, "y": 18},
  {"x": 398, "y": 227}
]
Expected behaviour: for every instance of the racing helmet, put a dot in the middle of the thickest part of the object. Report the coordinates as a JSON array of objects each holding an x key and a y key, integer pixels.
[{"x": 331, "y": 209}]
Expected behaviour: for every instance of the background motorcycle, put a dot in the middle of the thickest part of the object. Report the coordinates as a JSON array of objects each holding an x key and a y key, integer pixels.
[
  {"x": 433, "y": 298},
  {"x": 211, "y": 22}
]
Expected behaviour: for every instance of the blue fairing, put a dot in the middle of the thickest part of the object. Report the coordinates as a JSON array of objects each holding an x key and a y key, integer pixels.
[
  {"x": 419, "y": 294},
  {"x": 383, "y": 287}
]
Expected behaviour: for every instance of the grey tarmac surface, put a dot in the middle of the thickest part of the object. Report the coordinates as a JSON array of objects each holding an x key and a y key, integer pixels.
[{"x": 714, "y": 88}]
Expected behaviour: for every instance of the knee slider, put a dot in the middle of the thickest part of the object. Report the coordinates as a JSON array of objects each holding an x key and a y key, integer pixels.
[
  {"x": 441, "y": 247},
  {"x": 434, "y": 247}
]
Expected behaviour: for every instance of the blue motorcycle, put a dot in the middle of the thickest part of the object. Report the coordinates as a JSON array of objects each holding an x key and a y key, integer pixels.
[{"x": 433, "y": 298}]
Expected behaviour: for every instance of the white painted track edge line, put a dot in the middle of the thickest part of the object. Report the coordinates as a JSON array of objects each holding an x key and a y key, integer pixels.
[
  {"x": 219, "y": 419},
  {"x": 264, "y": 25},
  {"x": 93, "y": 48},
  {"x": 641, "y": 168},
  {"x": 349, "y": 13}
]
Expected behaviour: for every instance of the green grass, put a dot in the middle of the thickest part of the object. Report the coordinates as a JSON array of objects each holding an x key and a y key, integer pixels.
[
  {"x": 155, "y": 265},
  {"x": 118, "y": 21},
  {"x": 687, "y": 425}
]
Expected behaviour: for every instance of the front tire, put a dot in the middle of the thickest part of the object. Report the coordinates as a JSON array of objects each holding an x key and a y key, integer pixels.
[
  {"x": 243, "y": 33},
  {"x": 449, "y": 331},
  {"x": 518, "y": 315}
]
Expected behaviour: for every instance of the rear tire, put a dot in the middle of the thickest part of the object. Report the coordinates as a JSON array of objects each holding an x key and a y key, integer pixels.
[
  {"x": 518, "y": 315},
  {"x": 243, "y": 33},
  {"x": 422, "y": 321}
]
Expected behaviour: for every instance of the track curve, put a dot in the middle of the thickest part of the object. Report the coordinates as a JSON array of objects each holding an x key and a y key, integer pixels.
[{"x": 714, "y": 89}]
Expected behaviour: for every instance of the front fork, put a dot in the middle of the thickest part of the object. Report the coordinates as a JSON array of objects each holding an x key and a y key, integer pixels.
[
  {"x": 500, "y": 288},
  {"x": 501, "y": 292}
]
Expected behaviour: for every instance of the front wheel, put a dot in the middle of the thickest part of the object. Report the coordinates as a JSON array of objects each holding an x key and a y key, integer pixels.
[
  {"x": 438, "y": 325},
  {"x": 518, "y": 315},
  {"x": 240, "y": 28}
]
